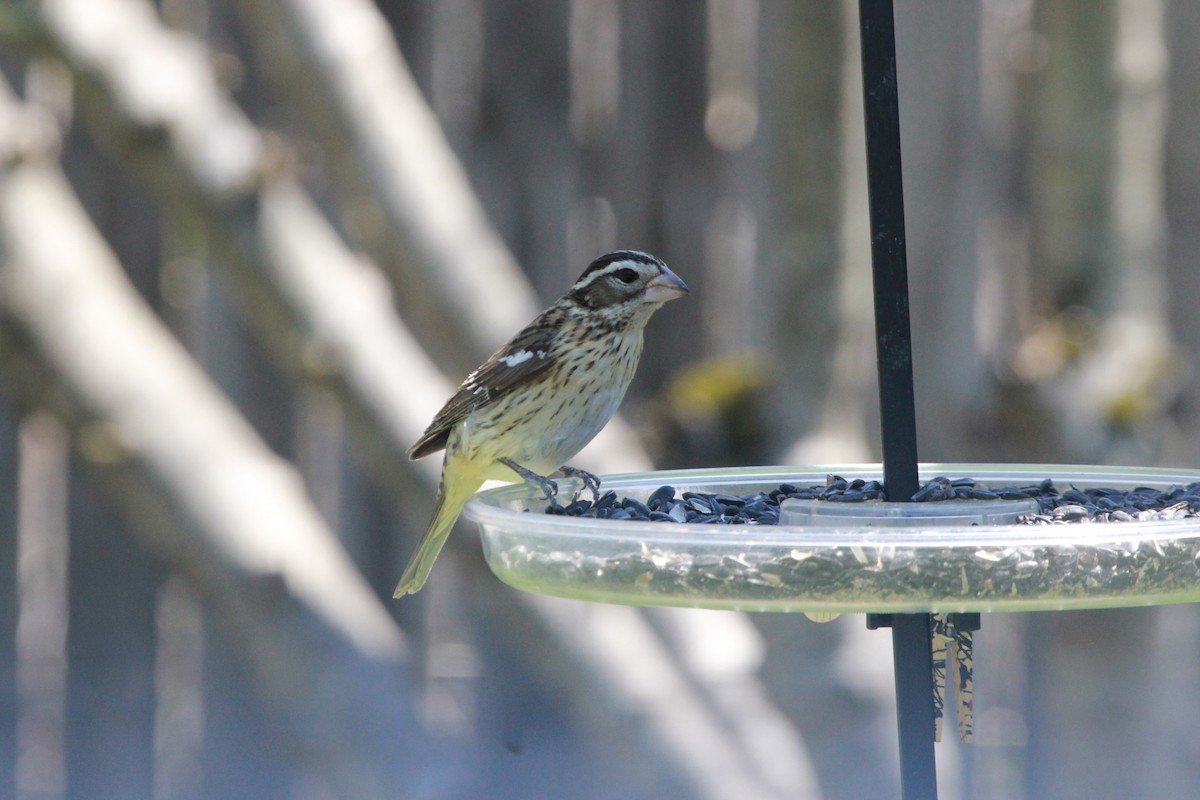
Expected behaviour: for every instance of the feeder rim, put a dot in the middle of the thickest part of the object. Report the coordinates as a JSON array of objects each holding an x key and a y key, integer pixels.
[{"x": 510, "y": 507}]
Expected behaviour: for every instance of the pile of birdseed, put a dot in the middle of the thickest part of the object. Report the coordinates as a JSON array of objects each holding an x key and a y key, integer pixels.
[
  {"x": 1142, "y": 569},
  {"x": 1096, "y": 504}
]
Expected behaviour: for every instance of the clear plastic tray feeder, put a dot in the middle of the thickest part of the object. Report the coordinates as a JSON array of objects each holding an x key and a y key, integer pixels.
[{"x": 828, "y": 557}]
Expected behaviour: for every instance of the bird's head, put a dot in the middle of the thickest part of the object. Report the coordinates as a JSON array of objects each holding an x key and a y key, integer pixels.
[{"x": 626, "y": 279}]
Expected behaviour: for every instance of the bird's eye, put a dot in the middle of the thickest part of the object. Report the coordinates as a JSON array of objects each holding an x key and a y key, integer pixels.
[{"x": 626, "y": 275}]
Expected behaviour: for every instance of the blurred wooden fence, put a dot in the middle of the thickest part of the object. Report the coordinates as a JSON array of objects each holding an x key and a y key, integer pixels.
[{"x": 1053, "y": 174}]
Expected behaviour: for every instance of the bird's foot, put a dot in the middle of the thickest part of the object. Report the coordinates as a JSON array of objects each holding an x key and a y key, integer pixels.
[
  {"x": 589, "y": 480},
  {"x": 541, "y": 481}
]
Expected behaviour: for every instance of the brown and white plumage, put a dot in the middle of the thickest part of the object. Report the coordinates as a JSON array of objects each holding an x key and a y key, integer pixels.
[{"x": 538, "y": 400}]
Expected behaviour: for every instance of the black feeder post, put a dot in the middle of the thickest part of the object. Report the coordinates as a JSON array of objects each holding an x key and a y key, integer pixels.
[{"x": 911, "y": 633}]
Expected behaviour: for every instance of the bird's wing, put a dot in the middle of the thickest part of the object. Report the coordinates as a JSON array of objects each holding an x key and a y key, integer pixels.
[{"x": 521, "y": 359}]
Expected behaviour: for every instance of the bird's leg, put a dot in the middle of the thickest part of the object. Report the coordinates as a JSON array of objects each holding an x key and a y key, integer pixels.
[
  {"x": 589, "y": 480},
  {"x": 545, "y": 484}
]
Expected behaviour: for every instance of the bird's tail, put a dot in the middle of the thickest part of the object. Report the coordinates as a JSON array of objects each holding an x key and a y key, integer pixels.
[{"x": 451, "y": 497}]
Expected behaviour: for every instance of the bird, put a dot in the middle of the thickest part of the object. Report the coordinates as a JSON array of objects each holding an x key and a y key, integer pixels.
[{"x": 538, "y": 400}]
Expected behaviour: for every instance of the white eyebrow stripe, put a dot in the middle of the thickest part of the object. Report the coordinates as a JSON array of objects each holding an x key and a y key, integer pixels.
[{"x": 609, "y": 269}]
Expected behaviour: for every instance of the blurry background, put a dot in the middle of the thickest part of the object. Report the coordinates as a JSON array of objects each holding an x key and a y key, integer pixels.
[{"x": 334, "y": 235}]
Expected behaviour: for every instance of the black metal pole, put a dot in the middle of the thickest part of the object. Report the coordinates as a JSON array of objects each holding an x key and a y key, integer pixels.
[
  {"x": 911, "y": 637},
  {"x": 890, "y": 263},
  {"x": 912, "y": 646}
]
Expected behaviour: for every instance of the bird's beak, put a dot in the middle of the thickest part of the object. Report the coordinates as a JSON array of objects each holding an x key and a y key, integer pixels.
[{"x": 666, "y": 286}]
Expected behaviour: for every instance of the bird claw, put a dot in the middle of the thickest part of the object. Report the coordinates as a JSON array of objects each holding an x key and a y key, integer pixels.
[
  {"x": 550, "y": 487},
  {"x": 589, "y": 480},
  {"x": 542, "y": 482},
  {"x": 546, "y": 485}
]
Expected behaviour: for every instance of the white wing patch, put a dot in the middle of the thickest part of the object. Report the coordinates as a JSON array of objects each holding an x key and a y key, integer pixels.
[{"x": 521, "y": 357}]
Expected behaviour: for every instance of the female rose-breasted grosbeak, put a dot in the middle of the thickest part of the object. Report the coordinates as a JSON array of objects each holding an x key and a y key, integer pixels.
[{"x": 540, "y": 398}]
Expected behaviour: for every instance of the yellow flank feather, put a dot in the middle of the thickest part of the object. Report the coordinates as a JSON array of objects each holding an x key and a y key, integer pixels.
[{"x": 456, "y": 488}]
